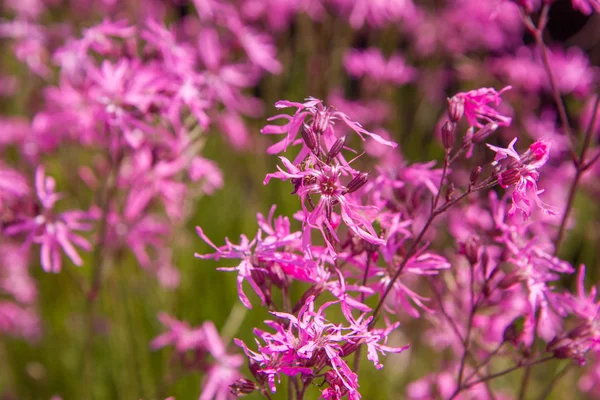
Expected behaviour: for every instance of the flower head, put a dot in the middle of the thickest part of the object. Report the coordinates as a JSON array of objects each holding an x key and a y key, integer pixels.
[
  {"x": 477, "y": 110},
  {"x": 319, "y": 118},
  {"x": 521, "y": 171},
  {"x": 53, "y": 231}
]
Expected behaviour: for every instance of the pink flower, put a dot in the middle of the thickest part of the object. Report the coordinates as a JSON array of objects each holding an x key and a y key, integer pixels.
[
  {"x": 321, "y": 119},
  {"x": 477, "y": 110},
  {"x": 259, "y": 256},
  {"x": 371, "y": 63},
  {"x": 147, "y": 180},
  {"x": 324, "y": 180},
  {"x": 376, "y": 13},
  {"x": 12, "y": 186},
  {"x": 223, "y": 369},
  {"x": 521, "y": 171},
  {"x": 53, "y": 231},
  {"x": 179, "y": 334},
  {"x": 586, "y": 6}
]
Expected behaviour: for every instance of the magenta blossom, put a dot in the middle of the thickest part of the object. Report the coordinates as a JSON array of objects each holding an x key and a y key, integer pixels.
[
  {"x": 521, "y": 171},
  {"x": 321, "y": 120},
  {"x": 53, "y": 231},
  {"x": 259, "y": 255},
  {"x": 477, "y": 110},
  {"x": 324, "y": 180},
  {"x": 586, "y": 6},
  {"x": 372, "y": 64}
]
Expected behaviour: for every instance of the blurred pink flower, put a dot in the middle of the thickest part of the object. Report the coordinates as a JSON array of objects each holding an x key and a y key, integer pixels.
[
  {"x": 477, "y": 110},
  {"x": 53, "y": 231},
  {"x": 321, "y": 120},
  {"x": 372, "y": 64},
  {"x": 586, "y": 6}
]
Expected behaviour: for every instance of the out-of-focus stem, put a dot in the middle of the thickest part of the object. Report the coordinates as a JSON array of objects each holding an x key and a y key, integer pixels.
[
  {"x": 466, "y": 342},
  {"x": 538, "y": 34},
  {"x": 99, "y": 254},
  {"x": 553, "y": 381},
  {"x": 581, "y": 166},
  {"x": 358, "y": 353},
  {"x": 506, "y": 371}
]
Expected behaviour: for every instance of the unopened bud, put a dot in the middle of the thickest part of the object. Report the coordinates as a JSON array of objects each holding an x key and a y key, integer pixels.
[
  {"x": 475, "y": 174},
  {"x": 509, "y": 177},
  {"x": 336, "y": 148},
  {"x": 259, "y": 276},
  {"x": 580, "y": 331},
  {"x": 485, "y": 259},
  {"x": 255, "y": 370},
  {"x": 510, "y": 280},
  {"x": 514, "y": 330},
  {"x": 310, "y": 139},
  {"x": 319, "y": 360},
  {"x": 470, "y": 249},
  {"x": 277, "y": 275},
  {"x": 510, "y": 333},
  {"x": 320, "y": 122},
  {"x": 242, "y": 386},
  {"x": 456, "y": 108},
  {"x": 314, "y": 290},
  {"x": 484, "y": 132},
  {"x": 350, "y": 347},
  {"x": 448, "y": 134},
  {"x": 561, "y": 347},
  {"x": 450, "y": 192},
  {"x": 486, "y": 289},
  {"x": 357, "y": 182}
]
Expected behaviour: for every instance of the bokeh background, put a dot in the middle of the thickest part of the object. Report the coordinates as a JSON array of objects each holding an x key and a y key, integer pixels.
[{"x": 311, "y": 53}]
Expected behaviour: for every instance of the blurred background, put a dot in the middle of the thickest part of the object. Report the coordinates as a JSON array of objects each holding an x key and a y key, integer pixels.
[{"x": 444, "y": 47}]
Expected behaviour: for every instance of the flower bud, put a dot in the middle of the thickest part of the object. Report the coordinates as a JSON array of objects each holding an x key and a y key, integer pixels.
[
  {"x": 242, "y": 386},
  {"x": 448, "y": 134},
  {"x": 484, "y": 132},
  {"x": 475, "y": 175},
  {"x": 514, "y": 330},
  {"x": 319, "y": 360},
  {"x": 470, "y": 249},
  {"x": 277, "y": 275},
  {"x": 320, "y": 121},
  {"x": 562, "y": 347},
  {"x": 255, "y": 370},
  {"x": 450, "y": 192},
  {"x": 456, "y": 108},
  {"x": 510, "y": 333},
  {"x": 485, "y": 259},
  {"x": 310, "y": 139},
  {"x": 314, "y": 290},
  {"x": 357, "y": 182},
  {"x": 336, "y": 148},
  {"x": 509, "y": 177},
  {"x": 350, "y": 347},
  {"x": 580, "y": 332},
  {"x": 510, "y": 280}
]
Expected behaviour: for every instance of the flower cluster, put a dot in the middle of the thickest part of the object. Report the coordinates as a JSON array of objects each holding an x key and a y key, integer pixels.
[{"x": 431, "y": 204}]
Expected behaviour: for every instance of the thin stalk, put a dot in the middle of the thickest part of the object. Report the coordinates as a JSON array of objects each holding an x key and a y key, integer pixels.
[
  {"x": 469, "y": 327},
  {"x": 358, "y": 352},
  {"x": 484, "y": 362},
  {"x": 107, "y": 193},
  {"x": 581, "y": 166},
  {"x": 505, "y": 372},
  {"x": 548, "y": 390},
  {"x": 538, "y": 33}
]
